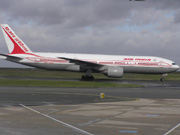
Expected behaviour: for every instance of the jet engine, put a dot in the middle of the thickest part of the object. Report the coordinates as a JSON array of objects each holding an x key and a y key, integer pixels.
[{"x": 114, "y": 72}]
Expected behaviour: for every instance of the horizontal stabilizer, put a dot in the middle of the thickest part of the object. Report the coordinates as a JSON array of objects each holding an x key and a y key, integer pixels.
[{"x": 4, "y": 56}]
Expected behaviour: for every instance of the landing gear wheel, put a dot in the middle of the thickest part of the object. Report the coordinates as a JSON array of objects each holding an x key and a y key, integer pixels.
[
  {"x": 91, "y": 77},
  {"x": 83, "y": 77},
  {"x": 87, "y": 78},
  {"x": 162, "y": 79}
]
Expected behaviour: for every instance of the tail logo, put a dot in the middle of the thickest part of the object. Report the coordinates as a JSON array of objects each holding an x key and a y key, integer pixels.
[{"x": 16, "y": 39}]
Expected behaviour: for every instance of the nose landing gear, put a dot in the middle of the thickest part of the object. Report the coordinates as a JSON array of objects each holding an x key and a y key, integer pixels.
[{"x": 163, "y": 77}]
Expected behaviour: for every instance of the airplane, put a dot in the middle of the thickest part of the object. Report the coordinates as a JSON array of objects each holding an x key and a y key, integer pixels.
[{"x": 110, "y": 65}]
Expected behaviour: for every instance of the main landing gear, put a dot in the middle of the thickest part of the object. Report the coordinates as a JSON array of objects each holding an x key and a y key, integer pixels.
[
  {"x": 163, "y": 77},
  {"x": 88, "y": 76}
]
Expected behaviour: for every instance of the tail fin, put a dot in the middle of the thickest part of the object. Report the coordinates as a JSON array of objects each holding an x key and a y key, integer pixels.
[{"x": 14, "y": 43}]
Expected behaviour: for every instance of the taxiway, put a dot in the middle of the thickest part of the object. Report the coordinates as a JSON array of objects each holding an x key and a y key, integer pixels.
[{"x": 154, "y": 109}]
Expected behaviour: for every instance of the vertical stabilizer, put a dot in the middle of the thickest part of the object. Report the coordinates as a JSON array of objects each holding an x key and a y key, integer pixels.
[{"x": 14, "y": 43}]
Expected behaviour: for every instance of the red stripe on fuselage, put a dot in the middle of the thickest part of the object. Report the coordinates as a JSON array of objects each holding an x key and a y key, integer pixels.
[{"x": 103, "y": 62}]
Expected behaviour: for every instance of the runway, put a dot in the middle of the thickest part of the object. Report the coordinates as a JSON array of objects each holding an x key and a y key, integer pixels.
[{"x": 154, "y": 109}]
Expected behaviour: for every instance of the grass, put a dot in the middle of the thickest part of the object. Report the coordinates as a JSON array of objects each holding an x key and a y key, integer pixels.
[
  {"x": 50, "y": 83},
  {"x": 172, "y": 76},
  {"x": 37, "y": 73}
]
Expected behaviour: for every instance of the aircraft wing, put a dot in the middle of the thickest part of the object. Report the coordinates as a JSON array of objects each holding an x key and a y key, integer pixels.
[{"x": 82, "y": 63}]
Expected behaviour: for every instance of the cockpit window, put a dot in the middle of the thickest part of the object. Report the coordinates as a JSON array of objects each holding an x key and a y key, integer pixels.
[{"x": 173, "y": 63}]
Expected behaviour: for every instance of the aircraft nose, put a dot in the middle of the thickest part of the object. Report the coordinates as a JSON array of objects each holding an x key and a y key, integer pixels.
[{"x": 177, "y": 67}]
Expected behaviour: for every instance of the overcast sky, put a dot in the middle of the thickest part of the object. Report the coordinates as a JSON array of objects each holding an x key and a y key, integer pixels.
[{"x": 117, "y": 27}]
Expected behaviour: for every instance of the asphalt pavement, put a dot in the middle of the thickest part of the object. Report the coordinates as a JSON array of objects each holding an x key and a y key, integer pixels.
[{"x": 153, "y": 109}]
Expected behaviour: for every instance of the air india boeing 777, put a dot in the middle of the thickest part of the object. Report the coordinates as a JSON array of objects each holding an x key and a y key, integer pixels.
[{"x": 110, "y": 65}]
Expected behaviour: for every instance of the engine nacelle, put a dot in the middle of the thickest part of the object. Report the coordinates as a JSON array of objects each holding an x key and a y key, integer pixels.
[{"x": 115, "y": 72}]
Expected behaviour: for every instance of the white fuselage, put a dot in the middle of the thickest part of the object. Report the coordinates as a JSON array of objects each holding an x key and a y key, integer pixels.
[{"x": 130, "y": 64}]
